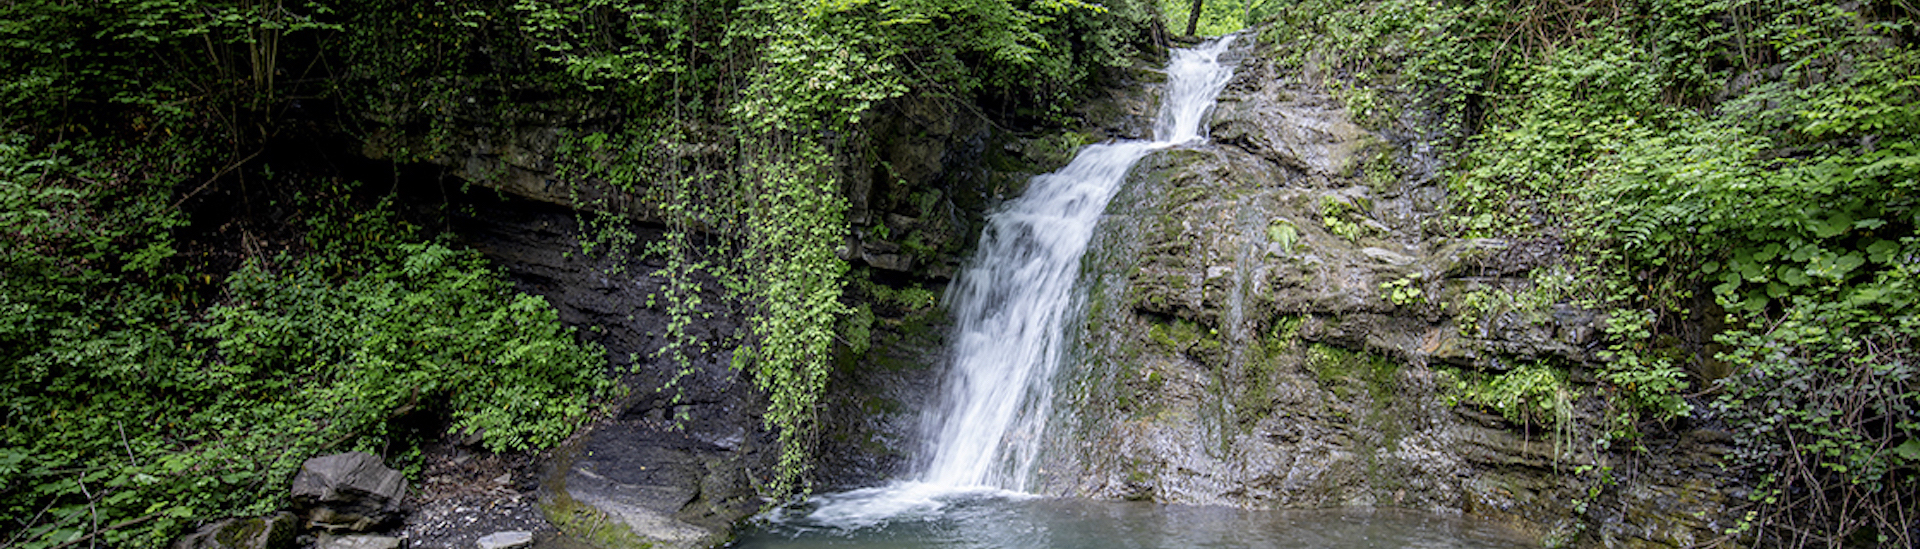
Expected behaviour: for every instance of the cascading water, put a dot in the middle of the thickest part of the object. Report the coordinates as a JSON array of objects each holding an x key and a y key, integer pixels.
[
  {"x": 1013, "y": 302},
  {"x": 1012, "y": 305}
]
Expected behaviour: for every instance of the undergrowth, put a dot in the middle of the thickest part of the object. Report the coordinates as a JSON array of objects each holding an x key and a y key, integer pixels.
[
  {"x": 140, "y": 399},
  {"x": 1750, "y": 162}
]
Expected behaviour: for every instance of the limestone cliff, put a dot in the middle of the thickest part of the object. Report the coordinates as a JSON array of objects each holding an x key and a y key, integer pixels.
[{"x": 1270, "y": 327}]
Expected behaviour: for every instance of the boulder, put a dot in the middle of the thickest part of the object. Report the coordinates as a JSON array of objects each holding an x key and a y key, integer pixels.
[
  {"x": 351, "y": 491},
  {"x": 269, "y": 532}
]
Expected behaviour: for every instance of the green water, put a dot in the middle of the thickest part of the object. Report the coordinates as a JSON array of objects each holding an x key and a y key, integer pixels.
[{"x": 987, "y": 520}]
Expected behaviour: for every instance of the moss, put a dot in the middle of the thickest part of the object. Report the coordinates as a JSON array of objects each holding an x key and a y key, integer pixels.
[
  {"x": 1174, "y": 336},
  {"x": 1286, "y": 329},
  {"x": 588, "y": 523},
  {"x": 236, "y": 533},
  {"x": 1262, "y": 361},
  {"x": 1535, "y": 393},
  {"x": 1341, "y": 370}
]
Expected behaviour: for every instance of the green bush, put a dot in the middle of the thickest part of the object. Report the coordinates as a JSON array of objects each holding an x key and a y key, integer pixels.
[{"x": 131, "y": 408}]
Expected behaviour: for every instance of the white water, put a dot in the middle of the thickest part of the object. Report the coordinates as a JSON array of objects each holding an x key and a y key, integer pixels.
[{"x": 1012, "y": 305}]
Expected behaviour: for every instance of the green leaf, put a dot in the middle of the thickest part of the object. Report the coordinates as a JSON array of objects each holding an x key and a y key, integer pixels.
[
  {"x": 1833, "y": 226},
  {"x": 1882, "y": 251},
  {"x": 1847, "y": 263},
  {"x": 1794, "y": 276},
  {"x": 1909, "y": 450}
]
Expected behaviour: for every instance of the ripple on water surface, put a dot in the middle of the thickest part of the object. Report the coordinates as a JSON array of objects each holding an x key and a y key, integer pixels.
[{"x": 919, "y": 516}]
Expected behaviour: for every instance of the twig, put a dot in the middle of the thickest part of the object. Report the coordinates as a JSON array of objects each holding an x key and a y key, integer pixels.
[
  {"x": 91, "y": 508},
  {"x": 28, "y": 525},
  {"x": 216, "y": 177},
  {"x": 125, "y": 444}
]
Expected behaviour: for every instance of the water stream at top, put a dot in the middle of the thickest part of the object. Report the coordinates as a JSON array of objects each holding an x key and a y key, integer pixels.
[{"x": 1012, "y": 305}]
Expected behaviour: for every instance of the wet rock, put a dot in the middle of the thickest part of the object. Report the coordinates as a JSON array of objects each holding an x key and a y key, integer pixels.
[
  {"x": 669, "y": 476},
  {"x": 1292, "y": 127},
  {"x": 506, "y": 540},
  {"x": 270, "y": 532},
  {"x": 1388, "y": 256},
  {"x": 357, "y": 541},
  {"x": 350, "y": 491},
  {"x": 1248, "y": 355}
]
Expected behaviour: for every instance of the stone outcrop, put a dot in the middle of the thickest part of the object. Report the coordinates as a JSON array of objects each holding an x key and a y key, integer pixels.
[
  {"x": 661, "y": 471},
  {"x": 681, "y": 472},
  {"x": 1271, "y": 327},
  {"x": 351, "y": 491}
]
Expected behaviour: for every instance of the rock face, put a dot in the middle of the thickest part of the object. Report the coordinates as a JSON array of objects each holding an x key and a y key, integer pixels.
[
  {"x": 660, "y": 471},
  {"x": 1269, "y": 326},
  {"x": 680, "y": 472},
  {"x": 270, "y": 532},
  {"x": 350, "y": 491},
  {"x": 1266, "y": 330}
]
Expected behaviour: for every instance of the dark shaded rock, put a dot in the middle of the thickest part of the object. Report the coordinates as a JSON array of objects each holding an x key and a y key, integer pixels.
[
  {"x": 351, "y": 491},
  {"x": 674, "y": 467},
  {"x": 269, "y": 532}
]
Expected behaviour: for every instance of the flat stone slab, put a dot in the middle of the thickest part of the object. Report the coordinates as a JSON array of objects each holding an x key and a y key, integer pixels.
[
  {"x": 506, "y": 540},
  {"x": 357, "y": 541}
]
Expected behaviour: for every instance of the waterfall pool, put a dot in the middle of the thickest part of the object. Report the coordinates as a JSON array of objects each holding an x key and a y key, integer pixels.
[{"x": 960, "y": 519}]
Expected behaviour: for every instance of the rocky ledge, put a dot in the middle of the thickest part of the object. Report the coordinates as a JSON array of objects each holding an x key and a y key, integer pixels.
[{"x": 1273, "y": 328}]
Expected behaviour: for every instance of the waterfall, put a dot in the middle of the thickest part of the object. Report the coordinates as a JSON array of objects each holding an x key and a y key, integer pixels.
[
  {"x": 1012, "y": 305},
  {"x": 1013, "y": 301}
]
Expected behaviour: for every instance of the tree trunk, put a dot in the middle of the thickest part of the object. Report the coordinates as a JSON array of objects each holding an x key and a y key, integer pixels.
[{"x": 1193, "y": 18}]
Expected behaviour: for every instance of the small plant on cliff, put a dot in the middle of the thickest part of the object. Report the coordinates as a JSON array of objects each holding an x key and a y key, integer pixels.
[
  {"x": 1283, "y": 232},
  {"x": 1533, "y": 393},
  {"x": 1338, "y": 217},
  {"x": 1403, "y": 291}
]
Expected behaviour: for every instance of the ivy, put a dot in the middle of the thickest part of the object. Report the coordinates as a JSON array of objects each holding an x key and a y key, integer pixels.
[{"x": 744, "y": 165}]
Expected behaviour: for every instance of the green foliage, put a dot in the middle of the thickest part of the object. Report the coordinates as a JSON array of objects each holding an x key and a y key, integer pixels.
[
  {"x": 1218, "y": 17},
  {"x": 1533, "y": 393},
  {"x": 1833, "y": 390},
  {"x": 1342, "y": 368},
  {"x": 84, "y": 64},
  {"x": 1751, "y": 159},
  {"x": 1342, "y": 218},
  {"x": 134, "y": 409},
  {"x": 1403, "y": 291},
  {"x": 426, "y": 325},
  {"x": 741, "y": 120},
  {"x": 1283, "y": 232}
]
